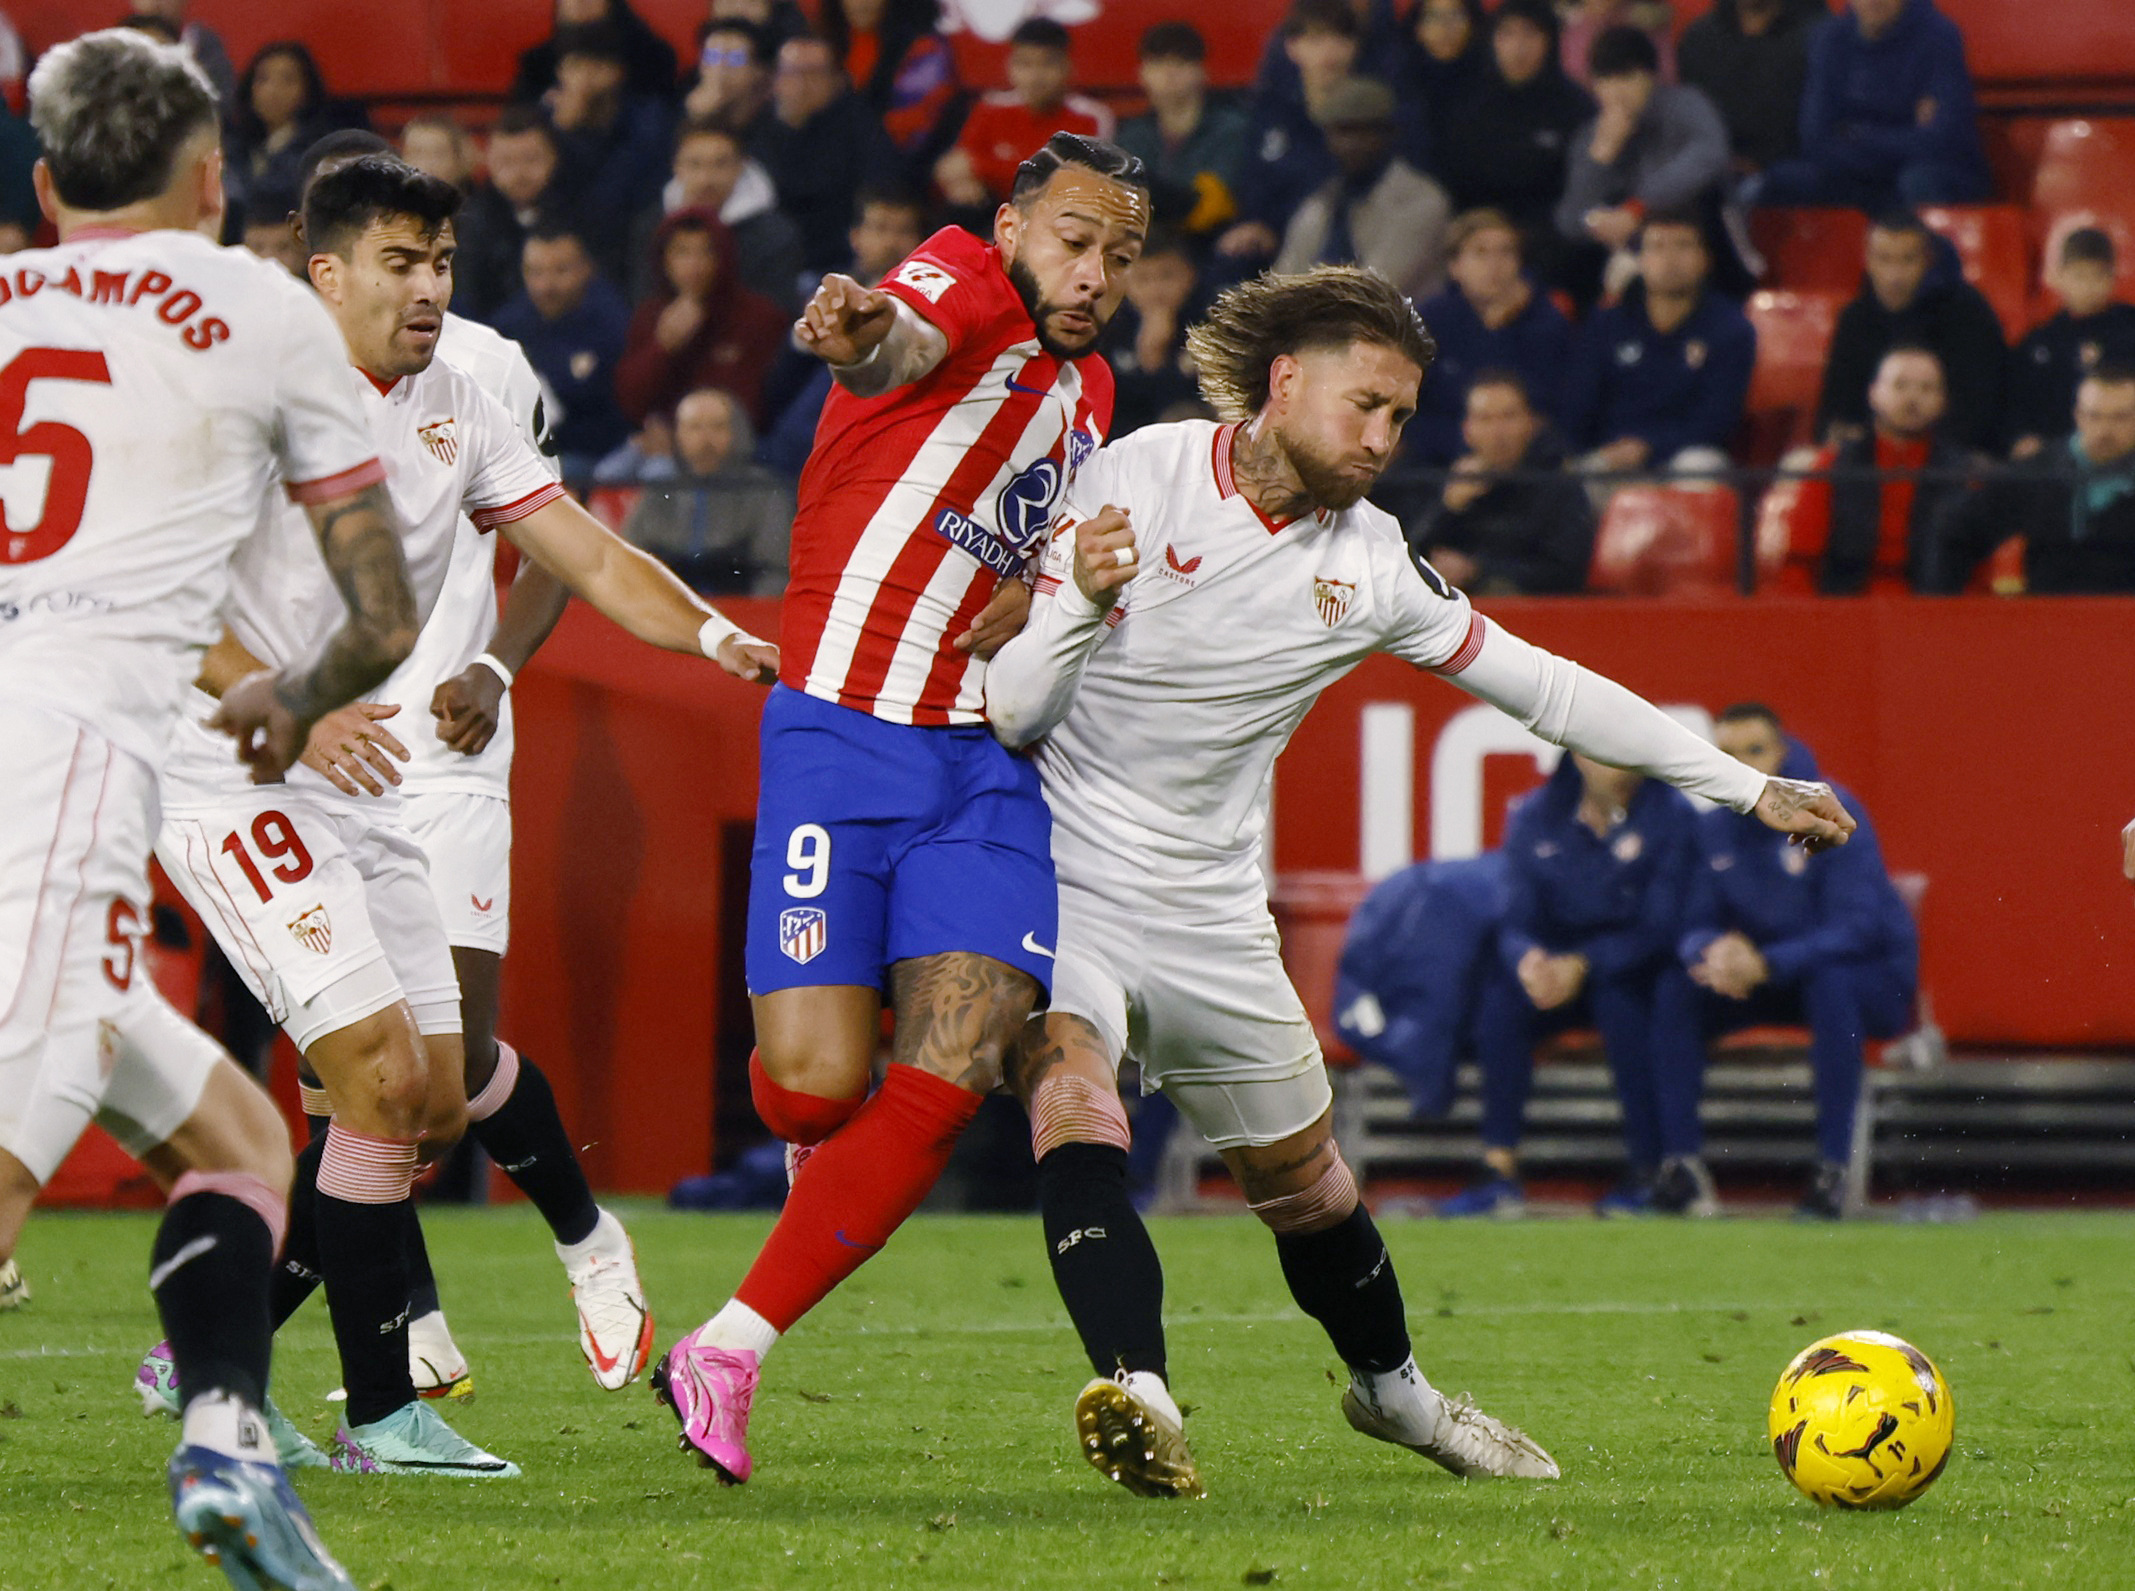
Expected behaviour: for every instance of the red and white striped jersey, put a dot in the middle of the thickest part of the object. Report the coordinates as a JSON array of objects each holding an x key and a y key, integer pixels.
[{"x": 915, "y": 504}]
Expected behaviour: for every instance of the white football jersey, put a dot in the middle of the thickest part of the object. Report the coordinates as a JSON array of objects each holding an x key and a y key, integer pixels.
[
  {"x": 464, "y": 616},
  {"x": 157, "y": 395},
  {"x": 448, "y": 448},
  {"x": 1159, "y": 773}
]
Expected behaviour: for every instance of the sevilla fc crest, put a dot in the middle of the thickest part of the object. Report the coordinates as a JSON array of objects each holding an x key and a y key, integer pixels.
[
  {"x": 442, "y": 438},
  {"x": 803, "y": 932},
  {"x": 314, "y": 931},
  {"x": 1332, "y": 598}
]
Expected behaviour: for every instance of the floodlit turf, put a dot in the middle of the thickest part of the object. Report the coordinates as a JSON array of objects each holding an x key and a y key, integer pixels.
[{"x": 916, "y": 1431}]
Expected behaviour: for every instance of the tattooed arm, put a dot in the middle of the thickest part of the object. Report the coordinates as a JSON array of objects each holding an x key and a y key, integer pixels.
[{"x": 271, "y": 714}]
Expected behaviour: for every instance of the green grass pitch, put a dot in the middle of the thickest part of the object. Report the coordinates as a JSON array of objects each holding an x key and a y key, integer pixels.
[{"x": 915, "y": 1431}]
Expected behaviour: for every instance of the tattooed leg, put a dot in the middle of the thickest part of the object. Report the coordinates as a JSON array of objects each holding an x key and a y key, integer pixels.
[{"x": 958, "y": 1015}]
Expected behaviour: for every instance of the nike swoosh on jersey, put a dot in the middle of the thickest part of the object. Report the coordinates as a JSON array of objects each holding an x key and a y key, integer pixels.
[
  {"x": 1030, "y": 943},
  {"x": 1035, "y": 392},
  {"x": 871, "y": 1248}
]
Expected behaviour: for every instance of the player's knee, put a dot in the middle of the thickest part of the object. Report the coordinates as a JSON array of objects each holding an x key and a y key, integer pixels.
[
  {"x": 797, "y": 1116},
  {"x": 1327, "y": 1201},
  {"x": 1067, "y": 1108}
]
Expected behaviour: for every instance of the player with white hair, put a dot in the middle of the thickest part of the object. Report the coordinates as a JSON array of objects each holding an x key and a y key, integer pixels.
[
  {"x": 173, "y": 389},
  {"x": 1203, "y": 585}
]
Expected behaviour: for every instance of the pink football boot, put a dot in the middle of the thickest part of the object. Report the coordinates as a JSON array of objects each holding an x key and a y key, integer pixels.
[{"x": 710, "y": 1390}]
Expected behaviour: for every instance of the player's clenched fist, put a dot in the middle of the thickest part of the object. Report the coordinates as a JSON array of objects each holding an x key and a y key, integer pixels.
[
  {"x": 844, "y": 322},
  {"x": 1105, "y": 556}
]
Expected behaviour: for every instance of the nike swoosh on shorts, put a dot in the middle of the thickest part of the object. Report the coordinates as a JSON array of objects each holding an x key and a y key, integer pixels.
[{"x": 1030, "y": 943}]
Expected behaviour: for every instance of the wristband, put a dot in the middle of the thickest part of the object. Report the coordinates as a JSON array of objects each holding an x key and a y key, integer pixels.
[
  {"x": 490, "y": 661},
  {"x": 716, "y": 631}
]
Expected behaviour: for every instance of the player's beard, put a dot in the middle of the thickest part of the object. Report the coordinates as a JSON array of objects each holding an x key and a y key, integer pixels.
[
  {"x": 1326, "y": 482},
  {"x": 1035, "y": 305}
]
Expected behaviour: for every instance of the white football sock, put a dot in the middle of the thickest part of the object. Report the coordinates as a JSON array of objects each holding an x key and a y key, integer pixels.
[
  {"x": 1149, "y": 1387},
  {"x": 224, "y": 1423},
  {"x": 1403, "y": 1397},
  {"x": 739, "y": 1326},
  {"x": 607, "y": 1240}
]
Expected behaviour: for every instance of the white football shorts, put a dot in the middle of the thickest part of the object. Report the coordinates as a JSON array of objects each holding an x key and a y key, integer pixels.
[
  {"x": 83, "y": 1033},
  {"x": 1206, "y": 1008},
  {"x": 468, "y": 839},
  {"x": 324, "y": 911}
]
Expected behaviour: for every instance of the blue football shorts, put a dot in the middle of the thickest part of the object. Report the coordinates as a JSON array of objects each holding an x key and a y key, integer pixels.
[{"x": 879, "y": 842}]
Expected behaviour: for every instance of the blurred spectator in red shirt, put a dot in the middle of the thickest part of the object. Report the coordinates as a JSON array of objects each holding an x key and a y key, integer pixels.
[
  {"x": 650, "y": 58},
  {"x": 1859, "y": 531},
  {"x": 705, "y": 330},
  {"x": 1005, "y": 128},
  {"x": 901, "y": 67}
]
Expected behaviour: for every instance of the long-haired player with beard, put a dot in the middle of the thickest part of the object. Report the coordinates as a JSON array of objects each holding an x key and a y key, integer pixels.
[{"x": 1205, "y": 583}]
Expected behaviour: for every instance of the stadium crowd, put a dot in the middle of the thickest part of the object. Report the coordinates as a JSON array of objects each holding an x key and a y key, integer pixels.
[{"x": 1580, "y": 197}]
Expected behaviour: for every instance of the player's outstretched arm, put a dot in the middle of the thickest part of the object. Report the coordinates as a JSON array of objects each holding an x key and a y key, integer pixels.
[
  {"x": 1030, "y": 684},
  {"x": 636, "y": 590},
  {"x": 272, "y": 714},
  {"x": 1574, "y": 707},
  {"x": 871, "y": 341},
  {"x": 469, "y": 706}
]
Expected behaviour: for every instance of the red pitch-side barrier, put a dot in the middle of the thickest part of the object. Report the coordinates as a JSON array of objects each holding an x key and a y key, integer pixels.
[{"x": 1986, "y": 737}]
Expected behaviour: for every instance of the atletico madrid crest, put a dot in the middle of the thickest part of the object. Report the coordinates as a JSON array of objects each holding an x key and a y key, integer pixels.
[
  {"x": 442, "y": 438},
  {"x": 803, "y": 932},
  {"x": 1332, "y": 598},
  {"x": 314, "y": 931}
]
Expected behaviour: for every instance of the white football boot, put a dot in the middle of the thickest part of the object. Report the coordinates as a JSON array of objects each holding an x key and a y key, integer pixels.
[
  {"x": 1131, "y": 1430},
  {"x": 14, "y": 1291},
  {"x": 614, "y": 1321},
  {"x": 1451, "y": 1432}
]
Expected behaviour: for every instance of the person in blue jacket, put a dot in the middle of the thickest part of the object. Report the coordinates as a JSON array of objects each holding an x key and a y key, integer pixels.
[
  {"x": 1888, "y": 116},
  {"x": 1595, "y": 862},
  {"x": 1661, "y": 378},
  {"x": 1774, "y": 934},
  {"x": 1405, "y": 989}
]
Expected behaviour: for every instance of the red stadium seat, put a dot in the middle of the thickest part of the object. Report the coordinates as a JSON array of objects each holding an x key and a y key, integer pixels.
[
  {"x": 1313, "y": 912},
  {"x": 2088, "y": 163},
  {"x": 1993, "y": 243},
  {"x": 1793, "y": 337},
  {"x": 1668, "y": 541},
  {"x": 1811, "y": 250}
]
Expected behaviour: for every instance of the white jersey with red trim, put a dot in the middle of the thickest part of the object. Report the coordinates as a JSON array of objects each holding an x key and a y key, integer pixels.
[
  {"x": 464, "y": 616},
  {"x": 157, "y": 394},
  {"x": 1158, "y": 776},
  {"x": 448, "y": 448}
]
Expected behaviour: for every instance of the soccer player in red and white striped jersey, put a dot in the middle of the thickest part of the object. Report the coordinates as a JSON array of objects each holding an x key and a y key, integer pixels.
[{"x": 898, "y": 844}]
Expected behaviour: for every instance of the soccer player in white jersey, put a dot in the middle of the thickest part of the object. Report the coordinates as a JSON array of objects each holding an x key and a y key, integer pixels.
[
  {"x": 1204, "y": 584},
  {"x": 172, "y": 390},
  {"x": 451, "y": 703},
  {"x": 320, "y": 897}
]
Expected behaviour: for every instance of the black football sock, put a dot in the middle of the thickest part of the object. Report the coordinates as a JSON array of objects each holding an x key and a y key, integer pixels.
[
  {"x": 1344, "y": 1279},
  {"x": 209, "y": 1271},
  {"x": 296, "y": 1272},
  {"x": 363, "y": 1250},
  {"x": 422, "y": 1281},
  {"x": 526, "y": 1138},
  {"x": 1106, "y": 1268}
]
